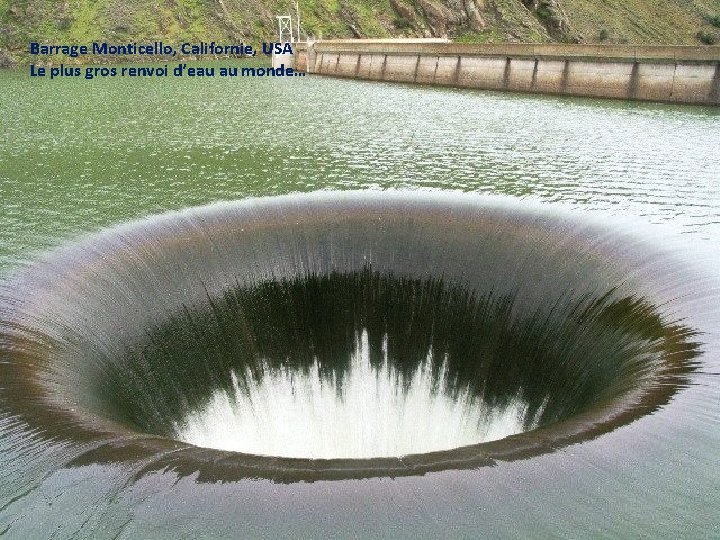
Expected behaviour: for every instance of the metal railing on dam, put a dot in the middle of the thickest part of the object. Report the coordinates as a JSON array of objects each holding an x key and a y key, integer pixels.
[{"x": 680, "y": 74}]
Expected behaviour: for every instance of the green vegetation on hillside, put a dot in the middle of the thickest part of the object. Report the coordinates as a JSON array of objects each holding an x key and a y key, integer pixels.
[{"x": 587, "y": 21}]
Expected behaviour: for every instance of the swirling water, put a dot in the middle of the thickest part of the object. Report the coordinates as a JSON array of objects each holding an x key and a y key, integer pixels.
[{"x": 76, "y": 156}]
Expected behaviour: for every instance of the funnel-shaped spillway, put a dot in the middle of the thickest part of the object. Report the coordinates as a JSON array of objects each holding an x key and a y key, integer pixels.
[{"x": 384, "y": 334}]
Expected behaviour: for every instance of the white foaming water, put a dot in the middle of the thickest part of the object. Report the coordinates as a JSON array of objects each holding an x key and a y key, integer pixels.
[{"x": 291, "y": 413}]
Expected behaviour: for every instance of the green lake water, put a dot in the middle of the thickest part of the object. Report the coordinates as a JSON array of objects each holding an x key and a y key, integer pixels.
[{"x": 77, "y": 156}]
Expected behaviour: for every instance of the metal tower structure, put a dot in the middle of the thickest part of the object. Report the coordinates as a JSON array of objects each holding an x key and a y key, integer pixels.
[{"x": 285, "y": 28}]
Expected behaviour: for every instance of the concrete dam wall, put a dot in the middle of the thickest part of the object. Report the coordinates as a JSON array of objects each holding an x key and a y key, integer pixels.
[{"x": 677, "y": 74}]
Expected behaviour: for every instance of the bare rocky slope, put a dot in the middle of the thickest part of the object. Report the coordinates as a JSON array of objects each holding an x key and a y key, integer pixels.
[{"x": 582, "y": 21}]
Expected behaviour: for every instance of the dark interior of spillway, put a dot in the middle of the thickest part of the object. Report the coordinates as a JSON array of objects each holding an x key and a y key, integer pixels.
[
  {"x": 118, "y": 337},
  {"x": 561, "y": 360}
]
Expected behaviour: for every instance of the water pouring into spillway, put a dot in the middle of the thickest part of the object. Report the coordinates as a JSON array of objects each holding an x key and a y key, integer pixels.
[
  {"x": 345, "y": 335},
  {"x": 373, "y": 412}
]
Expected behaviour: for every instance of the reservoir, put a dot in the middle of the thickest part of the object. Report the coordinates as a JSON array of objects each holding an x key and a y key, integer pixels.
[{"x": 593, "y": 225}]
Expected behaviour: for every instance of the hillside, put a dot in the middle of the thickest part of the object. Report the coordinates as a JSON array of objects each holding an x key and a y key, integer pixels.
[{"x": 612, "y": 21}]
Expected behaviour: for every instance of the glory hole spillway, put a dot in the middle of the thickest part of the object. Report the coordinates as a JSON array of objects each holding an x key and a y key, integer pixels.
[{"x": 538, "y": 359}]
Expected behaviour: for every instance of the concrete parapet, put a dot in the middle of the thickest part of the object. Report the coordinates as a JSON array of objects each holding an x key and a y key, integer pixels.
[{"x": 657, "y": 73}]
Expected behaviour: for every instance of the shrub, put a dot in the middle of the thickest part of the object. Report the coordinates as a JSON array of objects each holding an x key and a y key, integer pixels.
[
  {"x": 604, "y": 34},
  {"x": 544, "y": 14},
  {"x": 707, "y": 38},
  {"x": 401, "y": 23},
  {"x": 714, "y": 20}
]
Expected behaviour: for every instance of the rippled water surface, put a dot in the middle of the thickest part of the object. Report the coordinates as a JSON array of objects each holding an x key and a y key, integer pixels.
[{"x": 76, "y": 156}]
